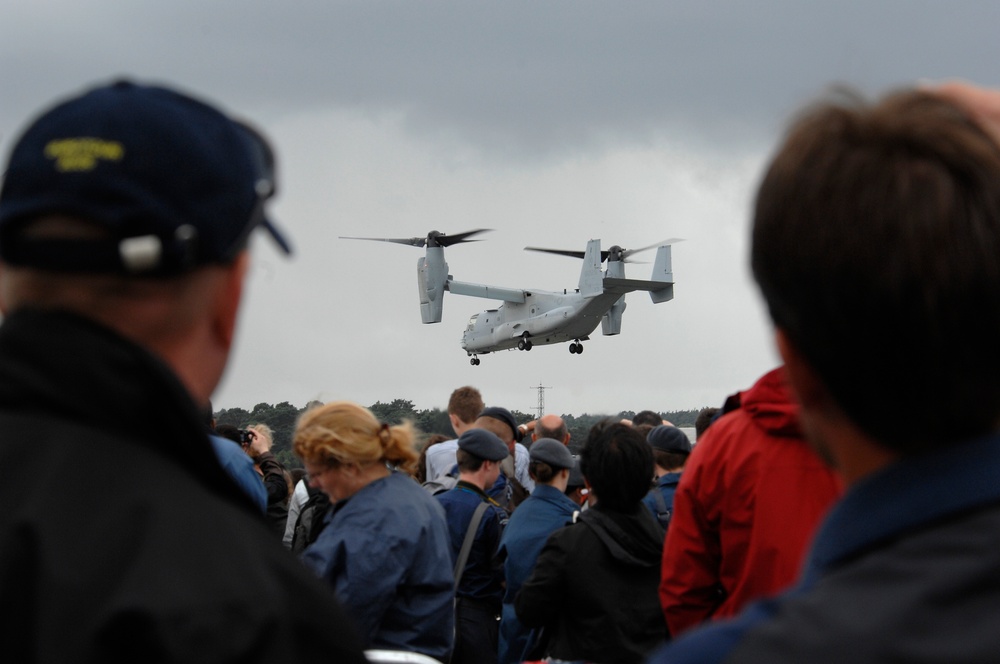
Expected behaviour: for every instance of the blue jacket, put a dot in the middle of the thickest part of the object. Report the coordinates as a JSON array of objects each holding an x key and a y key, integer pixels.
[
  {"x": 546, "y": 511},
  {"x": 240, "y": 467},
  {"x": 482, "y": 579},
  {"x": 385, "y": 551},
  {"x": 904, "y": 568},
  {"x": 666, "y": 486}
]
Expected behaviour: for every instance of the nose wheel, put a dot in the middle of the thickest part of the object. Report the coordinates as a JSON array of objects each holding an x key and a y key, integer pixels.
[
  {"x": 576, "y": 348},
  {"x": 474, "y": 361}
]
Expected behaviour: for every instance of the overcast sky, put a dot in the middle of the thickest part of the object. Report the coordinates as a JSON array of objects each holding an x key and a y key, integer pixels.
[{"x": 551, "y": 123}]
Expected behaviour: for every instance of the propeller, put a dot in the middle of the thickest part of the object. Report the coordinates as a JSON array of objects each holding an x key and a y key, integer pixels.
[
  {"x": 433, "y": 239},
  {"x": 615, "y": 252}
]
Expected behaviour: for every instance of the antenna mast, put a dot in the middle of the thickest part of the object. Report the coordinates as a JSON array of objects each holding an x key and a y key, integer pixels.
[{"x": 541, "y": 399}]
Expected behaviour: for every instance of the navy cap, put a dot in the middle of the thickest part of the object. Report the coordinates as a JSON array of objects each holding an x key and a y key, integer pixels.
[
  {"x": 552, "y": 452},
  {"x": 668, "y": 439},
  {"x": 504, "y": 416},
  {"x": 483, "y": 444},
  {"x": 170, "y": 183}
]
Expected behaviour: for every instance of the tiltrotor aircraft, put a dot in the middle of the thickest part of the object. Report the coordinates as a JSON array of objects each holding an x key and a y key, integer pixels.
[{"x": 534, "y": 317}]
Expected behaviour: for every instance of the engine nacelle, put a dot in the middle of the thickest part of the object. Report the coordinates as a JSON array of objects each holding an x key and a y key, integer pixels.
[
  {"x": 432, "y": 275},
  {"x": 611, "y": 322}
]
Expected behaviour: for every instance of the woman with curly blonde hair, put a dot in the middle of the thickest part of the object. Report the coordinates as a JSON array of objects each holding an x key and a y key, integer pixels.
[{"x": 385, "y": 550}]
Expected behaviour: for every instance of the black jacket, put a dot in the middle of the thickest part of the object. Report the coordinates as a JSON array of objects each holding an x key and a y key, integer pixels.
[
  {"x": 121, "y": 537},
  {"x": 594, "y": 588}
]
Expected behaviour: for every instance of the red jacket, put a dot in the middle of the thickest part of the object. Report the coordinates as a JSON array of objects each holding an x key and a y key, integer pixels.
[{"x": 748, "y": 503}]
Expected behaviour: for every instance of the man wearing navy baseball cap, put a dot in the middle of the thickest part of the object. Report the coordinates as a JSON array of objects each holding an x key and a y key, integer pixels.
[
  {"x": 671, "y": 448},
  {"x": 124, "y": 219},
  {"x": 479, "y": 578}
]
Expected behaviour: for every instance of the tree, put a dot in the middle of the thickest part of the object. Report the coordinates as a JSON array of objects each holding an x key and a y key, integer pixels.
[
  {"x": 395, "y": 412},
  {"x": 435, "y": 421}
]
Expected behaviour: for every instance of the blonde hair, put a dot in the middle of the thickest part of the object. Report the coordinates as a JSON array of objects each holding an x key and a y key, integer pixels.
[
  {"x": 263, "y": 430},
  {"x": 342, "y": 432}
]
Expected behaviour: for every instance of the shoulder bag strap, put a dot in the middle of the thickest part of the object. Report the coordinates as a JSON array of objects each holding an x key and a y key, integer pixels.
[{"x": 470, "y": 535}]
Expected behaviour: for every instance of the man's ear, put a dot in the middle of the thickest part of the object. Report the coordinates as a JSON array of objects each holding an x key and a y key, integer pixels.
[
  {"x": 228, "y": 296},
  {"x": 805, "y": 384}
]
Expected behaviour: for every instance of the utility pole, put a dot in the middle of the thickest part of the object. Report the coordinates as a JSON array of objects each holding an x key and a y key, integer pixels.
[{"x": 541, "y": 400}]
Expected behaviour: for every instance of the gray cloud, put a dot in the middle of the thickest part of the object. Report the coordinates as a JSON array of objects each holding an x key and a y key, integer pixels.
[{"x": 552, "y": 122}]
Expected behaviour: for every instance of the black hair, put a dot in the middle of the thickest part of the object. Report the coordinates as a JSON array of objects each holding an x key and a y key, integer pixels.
[
  {"x": 647, "y": 417},
  {"x": 618, "y": 463}
]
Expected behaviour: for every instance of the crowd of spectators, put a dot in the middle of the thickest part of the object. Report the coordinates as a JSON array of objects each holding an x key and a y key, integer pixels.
[{"x": 844, "y": 507}]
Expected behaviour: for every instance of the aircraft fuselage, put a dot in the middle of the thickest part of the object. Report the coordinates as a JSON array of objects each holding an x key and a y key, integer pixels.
[{"x": 546, "y": 317}]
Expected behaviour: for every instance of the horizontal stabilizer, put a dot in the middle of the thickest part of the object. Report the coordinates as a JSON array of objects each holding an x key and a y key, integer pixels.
[{"x": 622, "y": 286}]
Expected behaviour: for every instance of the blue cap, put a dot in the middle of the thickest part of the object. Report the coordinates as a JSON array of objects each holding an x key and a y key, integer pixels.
[
  {"x": 170, "y": 182},
  {"x": 668, "y": 439},
  {"x": 483, "y": 444},
  {"x": 552, "y": 452}
]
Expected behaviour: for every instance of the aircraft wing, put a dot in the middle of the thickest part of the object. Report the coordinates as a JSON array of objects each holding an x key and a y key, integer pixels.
[
  {"x": 488, "y": 292},
  {"x": 622, "y": 286}
]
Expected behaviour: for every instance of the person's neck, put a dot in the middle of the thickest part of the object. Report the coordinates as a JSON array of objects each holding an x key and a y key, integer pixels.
[
  {"x": 851, "y": 452},
  {"x": 477, "y": 479},
  {"x": 559, "y": 483}
]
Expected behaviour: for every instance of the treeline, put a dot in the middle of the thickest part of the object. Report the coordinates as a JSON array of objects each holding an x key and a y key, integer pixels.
[{"x": 282, "y": 417}]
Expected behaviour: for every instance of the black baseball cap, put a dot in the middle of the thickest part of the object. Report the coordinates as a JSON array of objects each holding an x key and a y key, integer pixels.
[
  {"x": 505, "y": 416},
  {"x": 170, "y": 182}
]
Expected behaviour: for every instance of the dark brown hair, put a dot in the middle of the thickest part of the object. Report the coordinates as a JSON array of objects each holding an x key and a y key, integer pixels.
[{"x": 876, "y": 245}]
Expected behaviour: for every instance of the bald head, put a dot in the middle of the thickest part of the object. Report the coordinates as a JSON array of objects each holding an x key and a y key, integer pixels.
[{"x": 551, "y": 426}]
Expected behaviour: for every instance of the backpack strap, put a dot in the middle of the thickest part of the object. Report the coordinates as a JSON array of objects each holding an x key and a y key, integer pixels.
[
  {"x": 662, "y": 513},
  {"x": 470, "y": 535}
]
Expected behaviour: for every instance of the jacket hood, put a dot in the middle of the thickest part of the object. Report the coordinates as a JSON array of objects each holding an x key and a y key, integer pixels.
[
  {"x": 634, "y": 539},
  {"x": 771, "y": 406}
]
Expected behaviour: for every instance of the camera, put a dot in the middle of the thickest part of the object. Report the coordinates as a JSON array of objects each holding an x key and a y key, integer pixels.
[{"x": 246, "y": 436}]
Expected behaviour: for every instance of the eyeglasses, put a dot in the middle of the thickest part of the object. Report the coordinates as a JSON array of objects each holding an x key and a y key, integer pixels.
[{"x": 310, "y": 475}]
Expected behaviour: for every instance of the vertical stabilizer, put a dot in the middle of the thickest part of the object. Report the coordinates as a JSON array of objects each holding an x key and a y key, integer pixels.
[
  {"x": 662, "y": 271},
  {"x": 591, "y": 277}
]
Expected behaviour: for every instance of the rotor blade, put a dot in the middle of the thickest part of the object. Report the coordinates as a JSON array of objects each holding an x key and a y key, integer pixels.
[
  {"x": 434, "y": 239},
  {"x": 629, "y": 252},
  {"x": 566, "y": 252},
  {"x": 414, "y": 241},
  {"x": 448, "y": 240}
]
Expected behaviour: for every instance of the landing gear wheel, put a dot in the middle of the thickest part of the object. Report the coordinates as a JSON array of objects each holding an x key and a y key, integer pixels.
[
  {"x": 522, "y": 344},
  {"x": 527, "y": 345},
  {"x": 474, "y": 361},
  {"x": 575, "y": 348}
]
